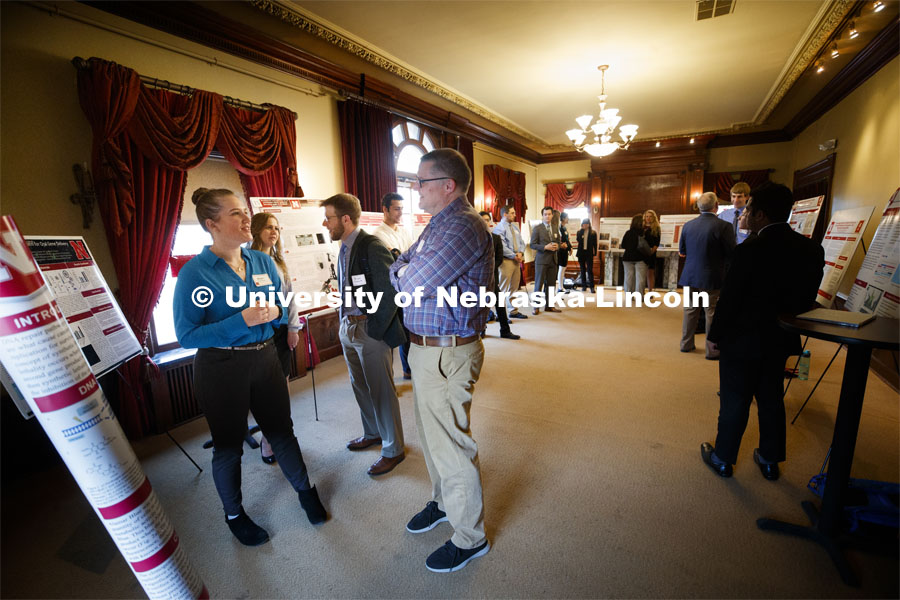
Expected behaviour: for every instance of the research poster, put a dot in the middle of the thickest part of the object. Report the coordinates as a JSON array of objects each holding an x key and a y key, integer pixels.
[
  {"x": 309, "y": 253},
  {"x": 876, "y": 289},
  {"x": 841, "y": 239},
  {"x": 670, "y": 229},
  {"x": 86, "y": 302},
  {"x": 805, "y": 215},
  {"x": 370, "y": 221},
  {"x": 610, "y": 232}
]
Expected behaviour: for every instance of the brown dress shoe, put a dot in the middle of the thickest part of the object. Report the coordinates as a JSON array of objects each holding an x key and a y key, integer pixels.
[
  {"x": 361, "y": 443},
  {"x": 536, "y": 311},
  {"x": 551, "y": 309},
  {"x": 385, "y": 465}
]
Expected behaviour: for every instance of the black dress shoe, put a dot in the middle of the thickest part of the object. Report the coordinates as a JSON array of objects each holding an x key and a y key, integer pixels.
[
  {"x": 768, "y": 470},
  {"x": 509, "y": 335},
  {"x": 720, "y": 469}
]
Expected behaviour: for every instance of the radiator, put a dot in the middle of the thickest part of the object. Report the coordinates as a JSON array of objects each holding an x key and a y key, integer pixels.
[{"x": 173, "y": 395}]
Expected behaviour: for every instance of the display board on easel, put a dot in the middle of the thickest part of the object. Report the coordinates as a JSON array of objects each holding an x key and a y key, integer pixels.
[
  {"x": 876, "y": 289},
  {"x": 309, "y": 252},
  {"x": 610, "y": 233},
  {"x": 87, "y": 303},
  {"x": 805, "y": 215},
  {"x": 670, "y": 229},
  {"x": 843, "y": 235}
]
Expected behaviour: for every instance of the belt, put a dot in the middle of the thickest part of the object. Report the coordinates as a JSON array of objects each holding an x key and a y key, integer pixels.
[
  {"x": 442, "y": 341},
  {"x": 356, "y": 318},
  {"x": 258, "y": 346}
]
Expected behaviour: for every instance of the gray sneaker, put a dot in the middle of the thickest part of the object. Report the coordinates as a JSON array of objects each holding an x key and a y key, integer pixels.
[{"x": 427, "y": 519}]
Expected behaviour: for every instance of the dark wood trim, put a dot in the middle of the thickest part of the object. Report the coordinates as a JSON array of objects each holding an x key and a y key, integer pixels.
[
  {"x": 567, "y": 156},
  {"x": 883, "y": 48},
  {"x": 204, "y": 26},
  {"x": 748, "y": 139},
  {"x": 821, "y": 173}
]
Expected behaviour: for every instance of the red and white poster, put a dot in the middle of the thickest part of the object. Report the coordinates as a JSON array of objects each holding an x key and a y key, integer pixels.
[
  {"x": 46, "y": 364},
  {"x": 670, "y": 229},
  {"x": 86, "y": 301},
  {"x": 805, "y": 215},
  {"x": 876, "y": 289},
  {"x": 843, "y": 235}
]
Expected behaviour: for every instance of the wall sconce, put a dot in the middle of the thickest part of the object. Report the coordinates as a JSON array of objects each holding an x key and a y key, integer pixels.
[
  {"x": 820, "y": 68},
  {"x": 853, "y": 32},
  {"x": 834, "y": 51},
  {"x": 878, "y": 6},
  {"x": 86, "y": 195}
]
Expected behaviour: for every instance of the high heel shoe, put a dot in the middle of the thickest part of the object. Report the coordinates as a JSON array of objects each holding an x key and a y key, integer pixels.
[{"x": 269, "y": 460}]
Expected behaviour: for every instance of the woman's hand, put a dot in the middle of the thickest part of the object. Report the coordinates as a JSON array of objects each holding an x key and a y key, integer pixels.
[
  {"x": 293, "y": 338},
  {"x": 257, "y": 315}
]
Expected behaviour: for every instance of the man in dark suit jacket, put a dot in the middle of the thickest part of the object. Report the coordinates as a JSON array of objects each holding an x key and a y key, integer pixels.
[
  {"x": 502, "y": 317},
  {"x": 706, "y": 244},
  {"x": 368, "y": 334},
  {"x": 545, "y": 243},
  {"x": 587, "y": 250},
  {"x": 777, "y": 273}
]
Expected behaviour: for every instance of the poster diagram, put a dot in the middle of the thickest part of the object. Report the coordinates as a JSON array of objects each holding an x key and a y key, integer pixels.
[
  {"x": 91, "y": 310},
  {"x": 876, "y": 289},
  {"x": 805, "y": 215},
  {"x": 841, "y": 239}
]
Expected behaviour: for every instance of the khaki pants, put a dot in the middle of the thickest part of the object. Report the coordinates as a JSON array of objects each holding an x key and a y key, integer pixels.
[
  {"x": 443, "y": 382},
  {"x": 509, "y": 278},
  {"x": 692, "y": 316}
]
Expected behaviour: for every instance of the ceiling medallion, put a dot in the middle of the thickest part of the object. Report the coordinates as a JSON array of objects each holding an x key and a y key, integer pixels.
[{"x": 603, "y": 129}]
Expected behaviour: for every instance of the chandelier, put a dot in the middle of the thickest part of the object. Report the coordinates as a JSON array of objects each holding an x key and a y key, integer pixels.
[{"x": 603, "y": 129}]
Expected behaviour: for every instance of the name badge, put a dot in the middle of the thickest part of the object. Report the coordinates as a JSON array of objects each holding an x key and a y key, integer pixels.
[
  {"x": 358, "y": 279},
  {"x": 261, "y": 280}
]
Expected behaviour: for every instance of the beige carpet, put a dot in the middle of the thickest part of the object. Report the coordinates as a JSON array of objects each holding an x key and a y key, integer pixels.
[{"x": 589, "y": 430}]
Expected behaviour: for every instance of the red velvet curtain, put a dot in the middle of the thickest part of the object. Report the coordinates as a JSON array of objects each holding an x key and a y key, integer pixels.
[
  {"x": 367, "y": 152},
  {"x": 721, "y": 183},
  {"x": 144, "y": 141},
  {"x": 561, "y": 198},
  {"x": 501, "y": 184}
]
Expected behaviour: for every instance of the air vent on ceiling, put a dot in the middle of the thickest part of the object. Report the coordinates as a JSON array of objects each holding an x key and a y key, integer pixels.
[{"x": 708, "y": 9}]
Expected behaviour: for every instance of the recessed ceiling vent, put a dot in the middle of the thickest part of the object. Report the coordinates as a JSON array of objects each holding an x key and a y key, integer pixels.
[{"x": 709, "y": 9}]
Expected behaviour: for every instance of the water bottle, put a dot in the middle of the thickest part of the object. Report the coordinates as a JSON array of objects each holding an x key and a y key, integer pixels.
[{"x": 803, "y": 366}]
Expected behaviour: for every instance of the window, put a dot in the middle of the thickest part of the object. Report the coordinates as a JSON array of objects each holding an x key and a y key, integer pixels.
[{"x": 411, "y": 142}]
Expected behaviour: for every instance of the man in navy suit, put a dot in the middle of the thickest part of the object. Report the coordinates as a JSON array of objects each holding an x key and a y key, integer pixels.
[
  {"x": 776, "y": 273},
  {"x": 706, "y": 244}
]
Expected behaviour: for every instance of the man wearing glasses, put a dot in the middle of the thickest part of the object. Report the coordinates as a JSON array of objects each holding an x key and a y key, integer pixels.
[
  {"x": 446, "y": 353},
  {"x": 740, "y": 193}
]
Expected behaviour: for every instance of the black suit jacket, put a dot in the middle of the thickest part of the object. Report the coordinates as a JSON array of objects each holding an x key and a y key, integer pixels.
[
  {"x": 588, "y": 250},
  {"x": 777, "y": 273},
  {"x": 384, "y": 324}
]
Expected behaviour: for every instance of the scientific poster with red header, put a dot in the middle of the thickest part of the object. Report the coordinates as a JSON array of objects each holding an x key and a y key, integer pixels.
[
  {"x": 46, "y": 364},
  {"x": 805, "y": 215},
  {"x": 876, "y": 289},
  {"x": 85, "y": 300},
  {"x": 670, "y": 229},
  {"x": 841, "y": 239}
]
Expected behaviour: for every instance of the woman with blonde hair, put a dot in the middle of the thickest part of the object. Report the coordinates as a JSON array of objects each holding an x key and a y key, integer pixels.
[
  {"x": 652, "y": 233},
  {"x": 266, "y": 234},
  {"x": 236, "y": 368}
]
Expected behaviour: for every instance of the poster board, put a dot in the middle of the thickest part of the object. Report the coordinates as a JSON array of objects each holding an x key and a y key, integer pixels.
[
  {"x": 309, "y": 253},
  {"x": 805, "y": 215},
  {"x": 841, "y": 239},
  {"x": 86, "y": 302},
  {"x": 876, "y": 289},
  {"x": 670, "y": 229},
  {"x": 370, "y": 221},
  {"x": 610, "y": 232},
  {"x": 420, "y": 222}
]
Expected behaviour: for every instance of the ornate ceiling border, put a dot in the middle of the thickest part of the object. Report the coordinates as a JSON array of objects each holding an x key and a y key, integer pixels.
[
  {"x": 329, "y": 33},
  {"x": 833, "y": 14}
]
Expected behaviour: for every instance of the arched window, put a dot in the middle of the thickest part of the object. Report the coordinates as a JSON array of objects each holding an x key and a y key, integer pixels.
[{"x": 411, "y": 142}]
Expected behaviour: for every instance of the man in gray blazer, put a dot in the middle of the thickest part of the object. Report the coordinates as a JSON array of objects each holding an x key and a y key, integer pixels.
[
  {"x": 706, "y": 244},
  {"x": 545, "y": 243},
  {"x": 367, "y": 333}
]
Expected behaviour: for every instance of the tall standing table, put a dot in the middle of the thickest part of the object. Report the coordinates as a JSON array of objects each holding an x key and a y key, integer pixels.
[{"x": 826, "y": 524}]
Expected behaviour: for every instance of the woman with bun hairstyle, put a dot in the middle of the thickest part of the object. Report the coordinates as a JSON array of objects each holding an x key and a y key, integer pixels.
[
  {"x": 266, "y": 234},
  {"x": 236, "y": 368}
]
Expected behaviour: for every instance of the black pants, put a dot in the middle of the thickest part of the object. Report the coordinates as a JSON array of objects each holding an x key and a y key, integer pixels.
[
  {"x": 586, "y": 264},
  {"x": 228, "y": 383},
  {"x": 740, "y": 379}
]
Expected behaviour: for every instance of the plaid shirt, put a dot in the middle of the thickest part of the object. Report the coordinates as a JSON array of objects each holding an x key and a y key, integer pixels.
[{"x": 455, "y": 249}]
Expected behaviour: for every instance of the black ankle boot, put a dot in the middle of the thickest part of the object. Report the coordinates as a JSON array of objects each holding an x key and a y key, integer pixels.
[
  {"x": 309, "y": 500},
  {"x": 246, "y": 531}
]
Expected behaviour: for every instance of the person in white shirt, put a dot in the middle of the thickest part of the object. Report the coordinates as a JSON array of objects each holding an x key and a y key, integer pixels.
[
  {"x": 398, "y": 239},
  {"x": 513, "y": 249}
]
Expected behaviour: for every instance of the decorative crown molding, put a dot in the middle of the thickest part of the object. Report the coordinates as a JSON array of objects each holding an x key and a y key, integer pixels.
[
  {"x": 832, "y": 16},
  {"x": 330, "y": 33}
]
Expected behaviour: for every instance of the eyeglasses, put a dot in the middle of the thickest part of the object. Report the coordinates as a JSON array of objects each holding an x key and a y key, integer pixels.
[{"x": 421, "y": 181}]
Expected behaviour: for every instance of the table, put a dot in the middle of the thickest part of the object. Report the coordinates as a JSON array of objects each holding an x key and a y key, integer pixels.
[{"x": 826, "y": 524}]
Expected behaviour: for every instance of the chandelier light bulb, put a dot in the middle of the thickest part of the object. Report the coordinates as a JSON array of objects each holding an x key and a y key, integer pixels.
[{"x": 584, "y": 120}]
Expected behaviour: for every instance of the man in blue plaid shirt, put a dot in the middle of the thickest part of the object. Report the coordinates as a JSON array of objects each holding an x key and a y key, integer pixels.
[{"x": 446, "y": 353}]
